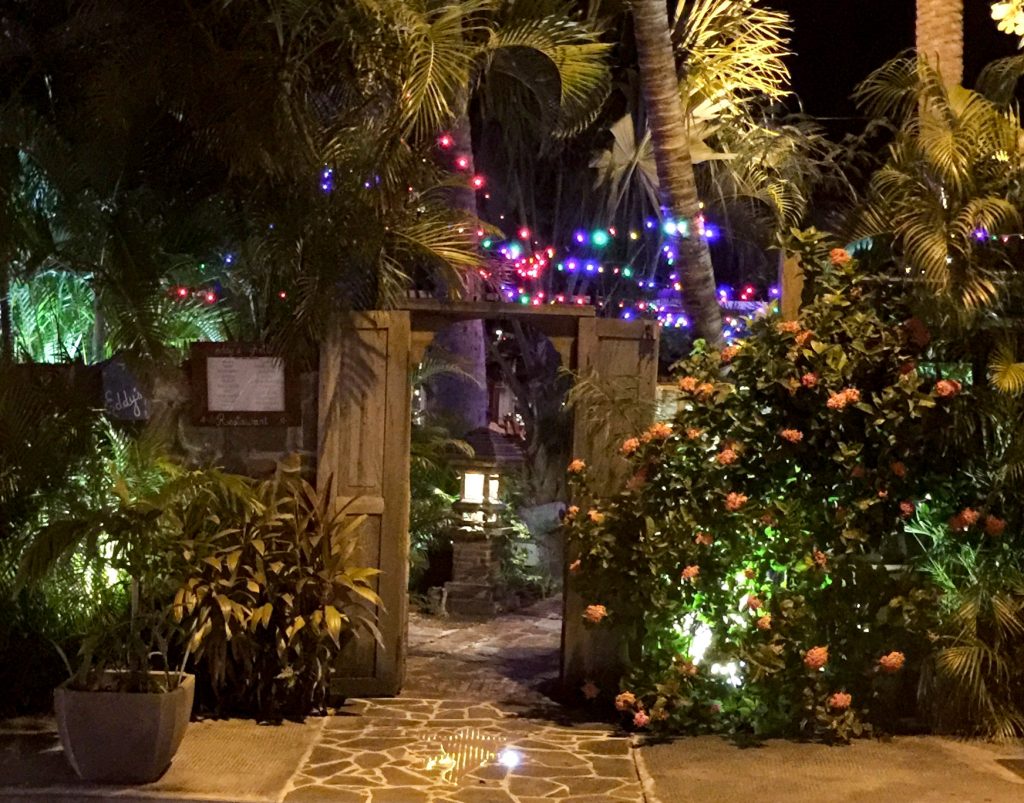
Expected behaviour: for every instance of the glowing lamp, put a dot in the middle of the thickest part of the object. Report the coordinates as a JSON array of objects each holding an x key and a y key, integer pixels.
[
  {"x": 182, "y": 292},
  {"x": 445, "y": 141},
  {"x": 478, "y": 182},
  {"x": 476, "y": 559},
  {"x": 462, "y": 162},
  {"x": 599, "y": 238}
]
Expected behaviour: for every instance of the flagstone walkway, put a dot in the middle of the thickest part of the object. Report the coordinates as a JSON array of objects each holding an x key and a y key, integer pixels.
[{"x": 473, "y": 725}]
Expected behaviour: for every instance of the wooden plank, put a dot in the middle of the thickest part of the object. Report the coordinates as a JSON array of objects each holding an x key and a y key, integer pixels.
[
  {"x": 471, "y": 310},
  {"x": 364, "y": 451},
  {"x": 624, "y": 353},
  {"x": 791, "y": 280}
]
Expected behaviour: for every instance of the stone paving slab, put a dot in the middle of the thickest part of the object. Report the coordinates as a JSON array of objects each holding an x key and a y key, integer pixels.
[
  {"x": 920, "y": 769},
  {"x": 444, "y": 751},
  {"x": 219, "y": 760}
]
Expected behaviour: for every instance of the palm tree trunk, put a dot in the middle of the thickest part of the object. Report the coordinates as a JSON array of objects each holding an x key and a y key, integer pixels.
[
  {"x": 677, "y": 185},
  {"x": 940, "y": 37},
  {"x": 463, "y": 400}
]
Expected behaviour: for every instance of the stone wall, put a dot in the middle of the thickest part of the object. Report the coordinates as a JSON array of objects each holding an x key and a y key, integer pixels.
[{"x": 252, "y": 451}]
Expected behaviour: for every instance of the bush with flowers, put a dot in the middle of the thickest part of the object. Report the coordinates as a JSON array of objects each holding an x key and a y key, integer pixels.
[{"x": 759, "y": 558}]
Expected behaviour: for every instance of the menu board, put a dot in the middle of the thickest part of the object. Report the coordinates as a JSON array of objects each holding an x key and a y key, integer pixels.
[
  {"x": 239, "y": 384},
  {"x": 242, "y": 384}
]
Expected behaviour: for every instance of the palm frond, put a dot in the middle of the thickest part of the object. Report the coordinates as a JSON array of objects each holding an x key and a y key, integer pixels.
[
  {"x": 572, "y": 47},
  {"x": 1005, "y": 373},
  {"x": 734, "y": 51}
]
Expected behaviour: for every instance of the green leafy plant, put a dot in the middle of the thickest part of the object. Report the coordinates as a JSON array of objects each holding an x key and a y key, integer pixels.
[
  {"x": 270, "y": 594},
  {"x": 973, "y": 681},
  {"x": 132, "y": 526}
]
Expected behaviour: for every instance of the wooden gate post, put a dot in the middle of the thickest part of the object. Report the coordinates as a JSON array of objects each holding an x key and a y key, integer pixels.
[
  {"x": 623, "y": 354},
  {"x": 364, "y": 430}
]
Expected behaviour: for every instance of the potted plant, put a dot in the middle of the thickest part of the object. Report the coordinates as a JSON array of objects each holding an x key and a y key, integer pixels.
[{"x": 123, "y": 712}]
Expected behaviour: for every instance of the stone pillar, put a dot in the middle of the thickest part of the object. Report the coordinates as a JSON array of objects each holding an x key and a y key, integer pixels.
[{"x": 475, "y": 574}]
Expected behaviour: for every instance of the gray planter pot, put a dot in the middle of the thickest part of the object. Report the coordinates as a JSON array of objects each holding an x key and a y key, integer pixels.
[{"x": 121, "y": 737}]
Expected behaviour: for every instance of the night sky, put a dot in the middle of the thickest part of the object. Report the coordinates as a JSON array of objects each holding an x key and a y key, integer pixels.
[{"x": 838, "y": 42}]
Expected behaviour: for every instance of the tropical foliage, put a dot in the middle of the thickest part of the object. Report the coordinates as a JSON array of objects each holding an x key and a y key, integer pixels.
[
  {"x": 252, "y": 586},
  {"x": 951, "y": 180}
]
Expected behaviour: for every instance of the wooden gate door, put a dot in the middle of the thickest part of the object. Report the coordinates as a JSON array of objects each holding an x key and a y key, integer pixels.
[
  {"x": 624, "y": 356},
  {"x": 364, "y": 430}
]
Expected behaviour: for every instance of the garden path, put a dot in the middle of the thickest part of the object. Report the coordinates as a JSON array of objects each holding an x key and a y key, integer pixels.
[{"x": 473, "y": 725}]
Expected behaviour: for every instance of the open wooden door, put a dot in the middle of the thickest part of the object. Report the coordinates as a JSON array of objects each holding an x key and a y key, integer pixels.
[
  {"x": 364, "y": 431},
  {"x": 624, "y": 355}
]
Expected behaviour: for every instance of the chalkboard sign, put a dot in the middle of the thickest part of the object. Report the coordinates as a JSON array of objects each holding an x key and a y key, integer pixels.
[
  {"x": 242, "y": 384},
  {"x": 123, "y": 397}
]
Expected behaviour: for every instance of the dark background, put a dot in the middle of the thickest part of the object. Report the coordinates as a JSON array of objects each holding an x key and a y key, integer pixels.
[{"x": 837, "y": 43}]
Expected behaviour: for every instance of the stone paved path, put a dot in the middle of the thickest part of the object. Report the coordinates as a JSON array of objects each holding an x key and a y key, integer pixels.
[{"x": 472, "y": 726}]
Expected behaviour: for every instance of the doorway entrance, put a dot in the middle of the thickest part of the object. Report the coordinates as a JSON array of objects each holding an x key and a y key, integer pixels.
[{"x": 364, "y": 436}]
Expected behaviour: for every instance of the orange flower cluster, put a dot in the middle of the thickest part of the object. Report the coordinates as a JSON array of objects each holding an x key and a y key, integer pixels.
[
  {"x": 820, "y": 558},
  {"x": 657, "y": 432},
  {"x": 840, "y": 701},
  {"x": 788, "y": 327},
  {"x": 630, "y": 445},
  {"x": 727, "y": 457},
  {"x": 765, "y": 622},
  {"x": 994, "y": 526},
  {"x": 804, "y": 337},
  {"x": 596, "y": 516},
  {"x": 688, "y": 384},
  {"x": 595, "y": 614},
  {"x": 847, "y": 396},
  {"x": 947, "y": 388},
  {"x": 572, "y": 511},
  {"x": 705, "y": 391},
  {"x": 907, "y": 509},
  {"x": 734, "y": 501},
  {"x": 691, "y": 573},
  {"x": 704, "y": 539},
  {"x": 577, "y": 466},
  {"x": 965, "y": 519},
  {"x": 754, "y": 603},
  {"x": 792, "y": 435},
  {"x": 809, "y": 380},
  {"x": 892, "y": 663},
  {"x": 693, "y": 433},
  {"x": 815, "y": 658},
  {"x": 729, "y": 352},
  {"x": 625, "y": 701},
  {"x": 839, "y": 256}
]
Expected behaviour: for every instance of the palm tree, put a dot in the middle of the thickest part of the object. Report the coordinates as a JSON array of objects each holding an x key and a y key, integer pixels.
[
  {"x": 940, "y": 37},
  {"x": 948, "y": 184},
  {"x": 677, "y": 184}
]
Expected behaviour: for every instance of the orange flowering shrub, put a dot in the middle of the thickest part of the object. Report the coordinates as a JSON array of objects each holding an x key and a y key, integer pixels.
[{"x": 763, "y": 567}]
